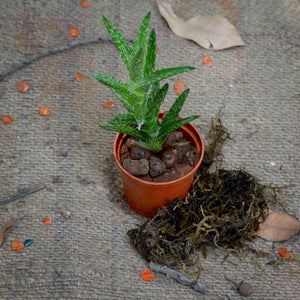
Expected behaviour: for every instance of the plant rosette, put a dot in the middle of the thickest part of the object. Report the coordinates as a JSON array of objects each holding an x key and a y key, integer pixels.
[{"x": 144, "y": 124}]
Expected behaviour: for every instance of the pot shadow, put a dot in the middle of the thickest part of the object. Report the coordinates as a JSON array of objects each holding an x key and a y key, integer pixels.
[{"x": 115, "y": 185}]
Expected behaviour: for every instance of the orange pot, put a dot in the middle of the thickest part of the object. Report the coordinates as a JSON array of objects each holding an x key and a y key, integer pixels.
[{"x": 146, "y": 197}]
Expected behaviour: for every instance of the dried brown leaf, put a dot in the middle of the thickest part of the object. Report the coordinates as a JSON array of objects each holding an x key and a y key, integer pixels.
[
  {"x": 278, "y": 227},
  {"x": 209, "y": 31},
  {"x": 6, "y": 226}
]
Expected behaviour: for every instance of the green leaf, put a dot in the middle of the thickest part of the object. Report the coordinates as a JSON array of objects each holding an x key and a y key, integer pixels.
[
  {"x": 159, "y": 75},
  {"x": 113, "y": 83},
  {"x": 155, "y": 103},
  {"x": 176, "y": 107},
  {"x": 141, "y": 41},
  {"x": 127, "y": 130},
  {"x": 151, "y": 54},
  {"x": 152, "y": 146},
  {"x": 172, "y": 125},
  {"x": 124, "y": 50},
  {"x": 127, "y": 101},
  {"x": 136, "y": 70},
  {"x": 125, "y": 119}
]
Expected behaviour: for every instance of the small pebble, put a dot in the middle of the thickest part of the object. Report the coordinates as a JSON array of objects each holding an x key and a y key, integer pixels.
[
  {"x": 156, "y": 166},
  {"x": 245, "y": 289},
  {"x": 28, "y": 242},
  {"x": 65, "y": 213}
]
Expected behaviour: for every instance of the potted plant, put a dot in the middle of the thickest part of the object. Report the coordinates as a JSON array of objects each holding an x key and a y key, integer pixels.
[{"x": 148, "y": 140}]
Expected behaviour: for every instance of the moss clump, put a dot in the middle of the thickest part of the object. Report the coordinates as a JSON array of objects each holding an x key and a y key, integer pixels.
[{"x": 221, "y": 210}]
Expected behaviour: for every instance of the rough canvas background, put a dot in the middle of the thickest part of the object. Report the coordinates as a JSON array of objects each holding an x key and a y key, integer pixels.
[{"x": 89, "y": 255}]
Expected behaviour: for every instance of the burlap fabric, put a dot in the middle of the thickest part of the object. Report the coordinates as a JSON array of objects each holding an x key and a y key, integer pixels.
[{"x": 89, "y": 256}]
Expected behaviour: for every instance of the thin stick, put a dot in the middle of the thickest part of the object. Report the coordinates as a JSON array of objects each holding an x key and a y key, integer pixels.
[
  {"x": 22, "y": 193},
  {"x": 199, "y": 287},
  {"x": 16, "y": 66}
]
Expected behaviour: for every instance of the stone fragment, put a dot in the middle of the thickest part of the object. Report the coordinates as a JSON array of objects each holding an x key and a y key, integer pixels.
[
  {"x": 136, "y": 167},
  {"x": 157, "y": 167},
  {"x": 139, "y": 153}
]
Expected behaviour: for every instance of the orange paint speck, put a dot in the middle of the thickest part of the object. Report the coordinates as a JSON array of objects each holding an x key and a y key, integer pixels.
[
  {"x": 109, "y": 104},
  {"x": 147, "y": 275},
  {"x": 23, "y": 86},
  {"x": 285, "y": 253},
  {"x": 85, "y": 3},
  {"x": 74, "y": 31},
  {"x": 157, "y": 49},
  {"x": 48, "y": 222},
  {"x": 207, "y": 61},
  {"x": 17, "y": 245},
  {"x": 7, "y": 119},
  {"x": 179, "y": 87},
  {"x": 44, "y": 111},
  {"x": 78, "y": 77}
]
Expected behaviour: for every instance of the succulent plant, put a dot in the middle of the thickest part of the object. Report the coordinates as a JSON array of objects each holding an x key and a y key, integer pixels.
[{"x": 143, "y": 96}]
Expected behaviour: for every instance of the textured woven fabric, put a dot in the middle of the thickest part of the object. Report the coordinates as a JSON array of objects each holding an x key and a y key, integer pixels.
[{"x": 89, "y": 256}]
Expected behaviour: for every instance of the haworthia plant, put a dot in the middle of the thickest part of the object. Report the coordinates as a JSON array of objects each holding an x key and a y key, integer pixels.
[{"x": 143, "y": 96}]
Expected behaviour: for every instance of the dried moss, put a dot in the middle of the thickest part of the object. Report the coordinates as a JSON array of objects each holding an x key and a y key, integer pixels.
[{"x": 221, "y": 210}]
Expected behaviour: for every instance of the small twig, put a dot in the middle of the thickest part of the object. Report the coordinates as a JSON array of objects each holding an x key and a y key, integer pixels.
[
  {"x": 16, "y": 66},
  {"x": 22, "y": 193},
  {"x": 199, "y": 287}
]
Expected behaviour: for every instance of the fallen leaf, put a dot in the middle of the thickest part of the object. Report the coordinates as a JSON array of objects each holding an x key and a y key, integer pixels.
[
  {"x": 209, "y": 31},
  {"x": 6, "y": 226},
  {"x": 278, "y": 227}
]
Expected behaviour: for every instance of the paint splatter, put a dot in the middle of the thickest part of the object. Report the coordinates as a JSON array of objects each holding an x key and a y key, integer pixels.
[
  {"x": 23, "y": 86},
  {"x": 285, "y": 253},
  {"x": 147, "y": 275},
  {"x": 109, "y": 104},
  {"x": 28, "y": 242},
  {"x": 78, "y": 77},
  {"x": 48, "y": 222},
  {"x": 44, "y": 111},
  {"x": 85, "y": 3},
  {"x": 207, "y": 61},
  {"x": 74, "y": 31},
  {"x": 17, "y": 245},
  {"x": 179, "y": 87},
  {"x": 7, "y": 119}
]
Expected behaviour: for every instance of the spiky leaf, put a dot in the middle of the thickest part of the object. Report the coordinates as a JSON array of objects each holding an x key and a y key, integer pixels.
[
  {"x": 124, "y": 50},
  {"x": 137, "y": 65},
  {"x": 125, "y": 119},
  {"x": 127, "y": 130},
  {"x": 151, "y": 54},
  {"x": 176, "y": 107},
  {"x": 160, "y": 75},
  {"x": 141, "y": 41},
  {"x": 172, "y": 125}
]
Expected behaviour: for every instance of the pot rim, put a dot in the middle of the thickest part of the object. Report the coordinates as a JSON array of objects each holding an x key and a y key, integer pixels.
[{"x": 196, "y": 138}]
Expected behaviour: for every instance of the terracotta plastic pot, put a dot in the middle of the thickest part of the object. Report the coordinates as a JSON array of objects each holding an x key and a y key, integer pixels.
[{"x": 146, "y": 197}]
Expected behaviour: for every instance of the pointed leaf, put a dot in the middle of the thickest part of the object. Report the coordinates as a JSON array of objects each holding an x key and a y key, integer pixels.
[
  {"x": 125, "y": 119},
  {"x": 113, "y": 83},
  {"x": 151, "y": 54},
  {"x": 176, "y": 107},
  {"x": 278, "y": 227},
  {"x": 152, "y": 146},
  {"x": 159, "y": 75},
  {"x": 136, "y": 70},
  {"x": 155, "y": 102},
  {"x": 175, "y": 124},
  {"x": 125, "y": 99},
  {"x": 125, "y": 129},
  {"x": 122, "y": 46},
  {"x": 209, "y": 31},
  {"x": 141, "y": 41}
]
